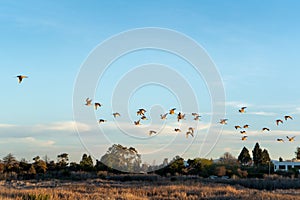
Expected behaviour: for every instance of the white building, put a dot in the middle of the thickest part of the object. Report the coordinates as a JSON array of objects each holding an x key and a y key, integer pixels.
[{"x": 286, "y": 165}]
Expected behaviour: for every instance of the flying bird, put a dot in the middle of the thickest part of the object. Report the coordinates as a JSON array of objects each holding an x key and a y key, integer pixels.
[
  {"x": 88, "y": 102},
  {"x": 196, "y": 118},
  {"x": 152, "y": 132},
  {"x": 242, "y": 110},
  {"x": 278, "y": 121},
  {"x": 164, "y": 116},
  {"x": 223, "y": 121},
  {"x": 195, "y": 114},
  {"x": 180, "y": 116},
  {"x": 280, "y": 140},
  {"x": 116, "y": 114},
  {"x": 291, "y": 139},
  {"x": 144, "y": 117},
  {"x": 97, "y": 105},
  {"x": 101, "y": 121},
  {"x": 265, "y": 129},
  {"x": 237, "y": 127},
  {"x": 141, "y": 111},
  {"x": 21, "y": 77},
  {"x": 244, "y": 137},
  {"x": 191, "y": 129},
  {"x": 177, "y": 130},
  {"x": 243, "y": 132},
  {"x": 137, "y": 122},
  {"x": 189, "y": 133},
  {"x": 172, "y": 111},
  {"x": 246, "y": 126},
  {"x": 288, "y": 117}
]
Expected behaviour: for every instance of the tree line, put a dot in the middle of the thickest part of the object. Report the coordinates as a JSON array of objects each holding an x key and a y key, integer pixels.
[{"x": 120, "y": 159}]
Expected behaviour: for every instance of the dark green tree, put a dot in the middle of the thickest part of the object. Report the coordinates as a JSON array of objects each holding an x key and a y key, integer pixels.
[
  {"x": 24, "y": 167},
  {"x": 257, "y": 155},
  {"x": 199, "y": 166},
  {"x": 74, "y": 166},
  {"x": 265, "y": 158},
  {"x": 298, "y": 153},
  {"x": 40, "y": 167},
  {"x": 86, "y": 163},
  {"x": 62, "y": 160},
  {"x": 244, "y": 157},
  {"x": 101, "y": 167},
  {"x": 51, "y": 166},
  {"x": 176, "y": 166},
  {"x": 10, "y": 163}
]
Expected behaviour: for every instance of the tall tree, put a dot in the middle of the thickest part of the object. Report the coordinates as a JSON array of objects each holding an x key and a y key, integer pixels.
[
  {"x": 176, "y": 166},
  {"x": 122, "y": 158},
  {"x": 265, "y": 158},
  {"x": 86, "y": 163},
  {"x": 62, "y": 160},
  {"x": 244, "y": 157},
  {"x": 257, "y": 155},
  {"x": 298, "y": 153},
  {"x": 10, "y": 163}
]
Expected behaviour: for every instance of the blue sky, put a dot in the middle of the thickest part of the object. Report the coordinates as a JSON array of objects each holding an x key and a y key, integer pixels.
[{"x": 254, "y": 45}]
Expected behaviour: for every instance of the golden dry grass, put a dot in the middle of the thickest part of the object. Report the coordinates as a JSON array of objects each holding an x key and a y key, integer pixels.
[{"x": 100, "y": 189}]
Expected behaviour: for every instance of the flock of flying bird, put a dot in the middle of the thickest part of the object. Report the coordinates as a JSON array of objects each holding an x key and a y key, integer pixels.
[
  {"x": 264, "y": 129},
  {"x": 142, "y": 116},
  {"x": 180, "y": 116}
]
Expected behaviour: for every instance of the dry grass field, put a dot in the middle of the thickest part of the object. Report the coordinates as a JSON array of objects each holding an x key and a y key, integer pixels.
[{"x": 104, "y": 189}]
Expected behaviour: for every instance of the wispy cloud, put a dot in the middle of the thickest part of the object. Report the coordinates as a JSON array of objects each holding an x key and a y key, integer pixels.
[
  {"x": 262, "y": 113},
  {"x": 35, "y": 142},
  {"x": 7, "y": 125},
  {"x": 237, "y": 104},
  {"x": 69, "y": 126},
  {"x": 29, "y": 141}
]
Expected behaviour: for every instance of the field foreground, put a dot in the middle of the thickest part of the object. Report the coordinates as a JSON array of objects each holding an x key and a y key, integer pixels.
[{"x": 107, "y": 189}]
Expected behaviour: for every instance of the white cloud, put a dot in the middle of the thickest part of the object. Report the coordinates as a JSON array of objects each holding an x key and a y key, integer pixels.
[
  {"x": 262, "y": 113},
  {"x": 28, "y": 141},
  {"x": 237, "y": 104},
  {"x": 69, "y": 126},
  {"x": 7, "y": 125}
]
